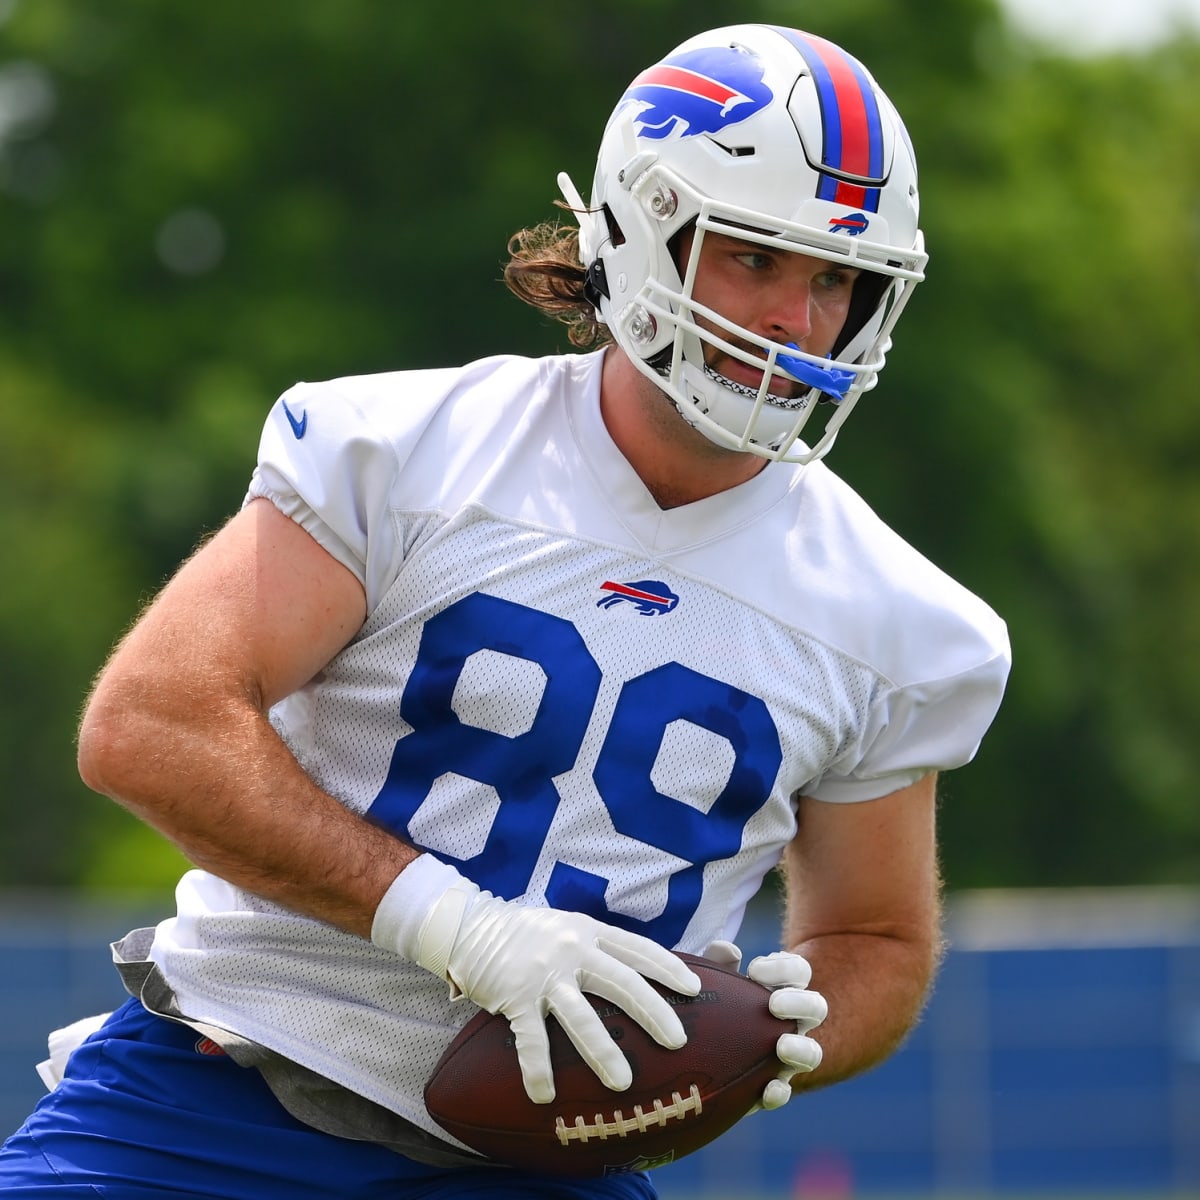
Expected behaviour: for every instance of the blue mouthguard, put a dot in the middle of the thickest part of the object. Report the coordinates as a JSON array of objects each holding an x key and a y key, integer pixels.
[{"x": 829, "y": 380}]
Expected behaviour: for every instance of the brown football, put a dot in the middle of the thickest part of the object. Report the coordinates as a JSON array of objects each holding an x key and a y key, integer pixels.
[{"x": 679, "y": 1100}]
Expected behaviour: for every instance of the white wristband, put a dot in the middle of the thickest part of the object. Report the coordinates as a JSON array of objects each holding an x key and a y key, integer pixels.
[{"x": 409, "y": 904}]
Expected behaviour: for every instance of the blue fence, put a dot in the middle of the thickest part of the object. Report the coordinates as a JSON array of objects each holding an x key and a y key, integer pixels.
[{"x": 1060, "y": 1053}]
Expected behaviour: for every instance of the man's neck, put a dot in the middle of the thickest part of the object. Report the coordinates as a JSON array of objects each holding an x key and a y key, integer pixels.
[{"x": 677, "y": 464}]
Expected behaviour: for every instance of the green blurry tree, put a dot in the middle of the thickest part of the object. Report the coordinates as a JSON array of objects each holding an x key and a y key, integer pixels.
[{"x": 201, "y": 204}]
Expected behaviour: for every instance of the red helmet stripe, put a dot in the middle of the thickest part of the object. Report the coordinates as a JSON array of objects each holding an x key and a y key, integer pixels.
[
  {"x": 851, "y": 120},
  {"x": 850, "y": 96},
  {"x": 683, "y": 80},
  {"x": 851, "y": 195}
]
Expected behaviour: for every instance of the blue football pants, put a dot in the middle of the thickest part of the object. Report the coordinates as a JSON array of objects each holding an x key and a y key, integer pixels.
[{"x": 143, "y": 1112}]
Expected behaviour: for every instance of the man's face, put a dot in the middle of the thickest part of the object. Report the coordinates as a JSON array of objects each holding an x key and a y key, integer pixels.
[{"x": 776, "y": 294}]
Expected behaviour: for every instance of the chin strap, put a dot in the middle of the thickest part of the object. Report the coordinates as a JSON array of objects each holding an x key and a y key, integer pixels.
[{"x": 831, "y": 381}]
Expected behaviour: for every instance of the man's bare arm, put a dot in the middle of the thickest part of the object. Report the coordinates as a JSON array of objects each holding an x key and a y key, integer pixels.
[
  {"x": 863, "y": 906},
  {"x": 176, "y": 727}
]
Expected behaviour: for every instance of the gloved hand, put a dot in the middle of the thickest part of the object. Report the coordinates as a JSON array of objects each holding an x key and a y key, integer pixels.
[
  {"x": 529, "y": 962},
  {"x": 788, "y": 976}
]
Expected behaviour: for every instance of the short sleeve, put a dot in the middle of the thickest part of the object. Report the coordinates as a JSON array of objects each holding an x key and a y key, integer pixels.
[
  {"x": 322, "y": 464},
  {"x": 917, "y": 729}
]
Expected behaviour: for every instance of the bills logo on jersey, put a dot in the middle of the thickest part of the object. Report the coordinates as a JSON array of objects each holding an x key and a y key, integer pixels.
[
  {"x": 852, "y": 225},
  {"x": 649, "y": 596},
  {"x": 699, "y": 91}
]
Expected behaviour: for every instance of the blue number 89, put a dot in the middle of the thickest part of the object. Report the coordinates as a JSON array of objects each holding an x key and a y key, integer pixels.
[{"x": 521, "y": 768}]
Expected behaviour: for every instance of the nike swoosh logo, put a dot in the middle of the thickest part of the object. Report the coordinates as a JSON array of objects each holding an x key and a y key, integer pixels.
[{"x": 298, "y": 426}]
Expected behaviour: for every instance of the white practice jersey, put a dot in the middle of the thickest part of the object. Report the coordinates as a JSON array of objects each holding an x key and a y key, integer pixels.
[{"x": 576, "y": 698}]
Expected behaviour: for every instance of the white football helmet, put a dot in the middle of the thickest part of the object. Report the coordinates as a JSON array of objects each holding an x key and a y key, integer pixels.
[{"x": 775, "y": 137}]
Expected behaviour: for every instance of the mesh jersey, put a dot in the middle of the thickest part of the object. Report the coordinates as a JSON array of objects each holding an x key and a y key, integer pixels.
[{"x": 575, "y": 697}]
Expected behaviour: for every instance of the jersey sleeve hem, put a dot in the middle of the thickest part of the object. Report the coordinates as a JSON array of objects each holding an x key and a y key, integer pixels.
[
  {"x": 292, "y": 506},
  {"x": 936, "y": 725},
  {"x": 855, "y": 791}
]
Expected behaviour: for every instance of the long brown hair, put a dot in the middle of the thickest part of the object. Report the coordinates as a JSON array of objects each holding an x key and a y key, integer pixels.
[{"x": 544, "y": 270}]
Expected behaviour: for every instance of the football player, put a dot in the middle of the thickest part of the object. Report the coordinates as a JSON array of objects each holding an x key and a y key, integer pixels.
[{"x": 510, "y": 679}]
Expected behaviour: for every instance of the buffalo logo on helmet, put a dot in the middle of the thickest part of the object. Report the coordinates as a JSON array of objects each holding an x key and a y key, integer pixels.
[
  {"x": 852, "y": 225},
  {"x": 698, "y": 91}
]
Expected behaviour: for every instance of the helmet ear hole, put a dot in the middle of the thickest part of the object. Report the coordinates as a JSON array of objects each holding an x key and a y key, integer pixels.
[{"x": 615, "y": 234}]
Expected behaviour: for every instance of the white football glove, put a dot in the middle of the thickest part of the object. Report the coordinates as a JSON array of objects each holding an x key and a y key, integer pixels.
[
  {"x": 530, "y": 962},
  {"x": 788, "y": 976}
]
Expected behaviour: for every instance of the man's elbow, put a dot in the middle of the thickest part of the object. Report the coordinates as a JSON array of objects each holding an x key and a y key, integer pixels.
[{"x": 105, "y": 747}]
